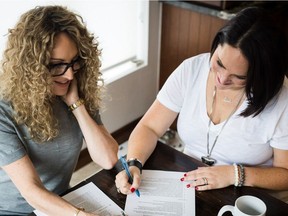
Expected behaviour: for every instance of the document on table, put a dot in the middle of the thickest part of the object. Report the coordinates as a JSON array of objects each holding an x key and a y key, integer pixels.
[
  {"x": 162, "y": 193},
  {"x": 92, "y": 199}
]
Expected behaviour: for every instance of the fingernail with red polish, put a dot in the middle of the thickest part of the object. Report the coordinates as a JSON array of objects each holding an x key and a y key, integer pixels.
[
  {"x": 182, "y": 179},
  {"x": 132, "y": 190},
  {"x": 185, "y": 174},
  {"x": 188, "y": 185}
]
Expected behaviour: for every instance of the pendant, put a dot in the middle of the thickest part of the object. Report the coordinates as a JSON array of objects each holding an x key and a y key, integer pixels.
[
  {"x": 208, "y": 160},
  {"x": 227, "y": 100}
]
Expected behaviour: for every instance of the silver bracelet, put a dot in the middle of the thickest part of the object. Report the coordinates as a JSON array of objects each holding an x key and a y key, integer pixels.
[{"x": 241, "y": 175}]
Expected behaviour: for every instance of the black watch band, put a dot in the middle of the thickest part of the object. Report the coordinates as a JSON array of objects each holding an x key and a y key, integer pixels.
[
  {"x": 135, "y": 162},
  {"x": 118, "y": 166}
]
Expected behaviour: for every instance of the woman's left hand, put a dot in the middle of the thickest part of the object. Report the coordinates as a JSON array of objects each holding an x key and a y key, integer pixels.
[
  {"x": 72, "y": 93},
  {"x": 207, "y": 178}
]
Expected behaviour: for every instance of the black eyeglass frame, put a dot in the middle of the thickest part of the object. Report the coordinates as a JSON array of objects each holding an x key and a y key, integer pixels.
[{"x": 68, "y": 65}]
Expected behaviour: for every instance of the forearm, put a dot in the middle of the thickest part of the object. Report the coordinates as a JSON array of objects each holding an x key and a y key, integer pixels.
[
  {"x": 101, "y": 145},
  {"x": 47, "y": 202},
  {"x": 27, "y": 181},
  {"x": 151, "y": 127},
  {"x": 273, "y": 178},
  {"x": 141, "y": 143}
]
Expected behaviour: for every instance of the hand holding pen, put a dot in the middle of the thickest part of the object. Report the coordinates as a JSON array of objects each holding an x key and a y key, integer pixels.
[{"x": 130, "y": 179}]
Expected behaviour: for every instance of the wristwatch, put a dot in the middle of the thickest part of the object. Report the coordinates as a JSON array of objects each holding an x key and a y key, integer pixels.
[
  {"x": 135, "y": 162},
  {"x": 131, "y": 162}
]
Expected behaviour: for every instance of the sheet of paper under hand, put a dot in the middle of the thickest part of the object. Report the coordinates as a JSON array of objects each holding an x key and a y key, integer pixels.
[
  {"x": 162, "y": 193},
  {"x": 92, "y": 199}
]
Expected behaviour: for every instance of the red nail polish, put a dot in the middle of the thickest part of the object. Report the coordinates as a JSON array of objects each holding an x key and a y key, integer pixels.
[
  {"x": 185, "y": 174},
  {"x": 188, "y": 185},
  {"x": 196, "y": 188},
  {"x": 182, "y": 179},
  {"x": 132, "y": 190}
]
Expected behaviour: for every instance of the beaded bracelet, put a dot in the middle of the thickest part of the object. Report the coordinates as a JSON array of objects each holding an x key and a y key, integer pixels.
[
  {"x": 75, "y": 105},
  {"x": 236, "y": 175}
]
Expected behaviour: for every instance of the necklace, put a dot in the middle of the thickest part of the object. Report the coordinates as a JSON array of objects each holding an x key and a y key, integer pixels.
[
  {"x": 230, "y": 100},
  {"x": 227, "y": 100},
  {"x": 207, "y": 159}
]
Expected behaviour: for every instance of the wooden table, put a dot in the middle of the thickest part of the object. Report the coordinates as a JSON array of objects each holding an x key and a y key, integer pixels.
[{"x": 208, "y": 203}]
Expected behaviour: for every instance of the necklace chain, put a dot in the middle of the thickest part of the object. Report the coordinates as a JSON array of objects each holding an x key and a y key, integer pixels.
[{"x": 209, "y": 152}]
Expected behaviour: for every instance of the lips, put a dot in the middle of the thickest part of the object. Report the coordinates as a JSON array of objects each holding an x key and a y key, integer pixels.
[
  {"x": 62, "y": 84},
  {"x": 218, "y": 81}
]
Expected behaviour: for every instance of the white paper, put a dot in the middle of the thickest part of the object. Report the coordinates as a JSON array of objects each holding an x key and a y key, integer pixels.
[
  {"x": 161, "y": 193},
  {"x": 92, "y": 199}
]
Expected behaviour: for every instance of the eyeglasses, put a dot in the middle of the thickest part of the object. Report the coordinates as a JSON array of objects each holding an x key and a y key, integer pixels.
[{"x": 61, "y": 68}]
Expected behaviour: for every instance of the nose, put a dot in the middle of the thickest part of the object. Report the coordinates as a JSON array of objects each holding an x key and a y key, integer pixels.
[
  {"x": 69, "y": 74},
  {"x": 224, "y": 78}
]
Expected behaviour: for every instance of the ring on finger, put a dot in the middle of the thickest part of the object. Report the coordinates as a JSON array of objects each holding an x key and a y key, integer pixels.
[{"x": 205, "y": 180}]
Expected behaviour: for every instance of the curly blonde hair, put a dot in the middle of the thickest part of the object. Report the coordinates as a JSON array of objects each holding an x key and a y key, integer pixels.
[{"x": 25, "y": 81}]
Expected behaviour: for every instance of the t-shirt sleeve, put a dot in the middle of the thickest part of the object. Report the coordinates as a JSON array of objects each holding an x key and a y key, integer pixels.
[
  {"x": 171, "y": 94},
  {"x": 183, "y": 80},
  {"x": 11, "y": 148},
  {"x": 280, "y": 136},
  {"x": 97, "y": 118}
]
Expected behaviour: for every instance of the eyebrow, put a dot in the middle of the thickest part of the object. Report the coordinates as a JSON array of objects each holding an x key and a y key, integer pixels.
[
  {"x": 240, "y": 76},
  {"x": 59, "y": 59},
  {"x": 219, "y": 60}
]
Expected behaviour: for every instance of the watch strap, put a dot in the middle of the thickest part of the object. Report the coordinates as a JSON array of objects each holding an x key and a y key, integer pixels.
[
  {"x": 131, "y": 162},
  {"x": 135, "y": 162}
]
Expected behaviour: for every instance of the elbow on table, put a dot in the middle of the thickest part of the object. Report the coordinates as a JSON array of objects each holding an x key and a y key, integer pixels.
[
  {"x": 108, "y": 166},
  {"x": 109, "y": 162}
]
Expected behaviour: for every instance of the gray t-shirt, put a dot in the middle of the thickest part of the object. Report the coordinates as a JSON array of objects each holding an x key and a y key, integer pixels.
[{"x": 54, "y": 160}]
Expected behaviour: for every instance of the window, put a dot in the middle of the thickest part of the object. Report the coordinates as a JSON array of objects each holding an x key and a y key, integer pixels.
[{"x": 121, "y": 27}]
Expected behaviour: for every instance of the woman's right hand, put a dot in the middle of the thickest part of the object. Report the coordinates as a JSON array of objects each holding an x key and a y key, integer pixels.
[{"x": 122, "y": 184}]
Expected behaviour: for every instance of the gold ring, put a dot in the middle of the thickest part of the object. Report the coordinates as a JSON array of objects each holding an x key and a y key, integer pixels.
[{"x": 205, "y": 180}]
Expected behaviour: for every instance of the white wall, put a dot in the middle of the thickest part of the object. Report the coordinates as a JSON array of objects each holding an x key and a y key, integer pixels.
[
  {"x": 132, "y": 95},
  {"x": 114, "y": 23}
]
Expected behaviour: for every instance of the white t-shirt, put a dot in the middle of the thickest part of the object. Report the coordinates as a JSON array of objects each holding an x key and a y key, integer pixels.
[{"x": 247, "y": 140}]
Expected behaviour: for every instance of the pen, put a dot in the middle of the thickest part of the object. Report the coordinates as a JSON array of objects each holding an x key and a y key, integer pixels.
[{"x": 125, "y": 165}]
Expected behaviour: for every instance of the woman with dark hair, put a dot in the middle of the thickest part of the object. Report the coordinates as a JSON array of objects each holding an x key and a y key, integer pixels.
[
  {"x": 50, "y": 93},
  {"x": 232, "y": 110}
]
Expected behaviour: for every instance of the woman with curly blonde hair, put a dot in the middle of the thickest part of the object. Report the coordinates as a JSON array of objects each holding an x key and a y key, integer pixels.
[{"x": 49, "y": 103}]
